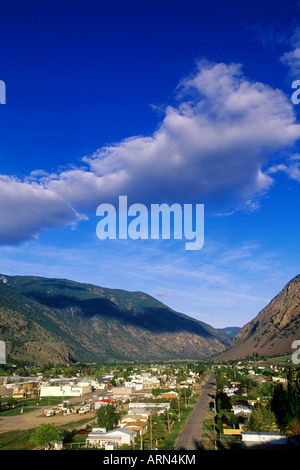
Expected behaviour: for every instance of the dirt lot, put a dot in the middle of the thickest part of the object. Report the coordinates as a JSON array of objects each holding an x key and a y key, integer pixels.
[{"x": 33, "y": 419}]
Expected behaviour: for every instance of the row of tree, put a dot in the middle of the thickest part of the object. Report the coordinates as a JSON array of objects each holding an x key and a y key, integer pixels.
[{"x": 281, "y": 405}]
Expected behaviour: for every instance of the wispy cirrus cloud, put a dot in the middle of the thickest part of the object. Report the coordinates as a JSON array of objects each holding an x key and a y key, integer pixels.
[{"x": 213, "y": 146}]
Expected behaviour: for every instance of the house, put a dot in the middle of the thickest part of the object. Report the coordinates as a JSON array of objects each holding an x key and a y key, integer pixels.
[
  {"x": 25, "y": 389},
  {"x": 281, "y": 380},
  {"x": 169, "y": 395},
  {"x": 85, "y": 384},
  {"x": 242, "y": 410},
  {"x": 102, "y": 383},
  {"x": 115, "y": 438},
  {"x": 150, "y": 384},
  {"x": 156, "y": 407},
  {"x": 136, "y": 423},
  {"x": 230, "y": 390},
  {"x": 139, "y": 426},
  {"x": 128, "y": 420},
  {"x": 2, "y": 352}
]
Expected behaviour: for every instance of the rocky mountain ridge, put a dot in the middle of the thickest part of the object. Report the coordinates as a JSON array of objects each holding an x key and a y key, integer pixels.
[
  {"x": 60, "y": 321},
  {"x": 273, "y": 330}
]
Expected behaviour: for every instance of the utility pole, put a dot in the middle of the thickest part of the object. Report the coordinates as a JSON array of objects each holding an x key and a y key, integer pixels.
[
  {"x": 215, "y": 441},
  {"x": 150, "y": 431}
]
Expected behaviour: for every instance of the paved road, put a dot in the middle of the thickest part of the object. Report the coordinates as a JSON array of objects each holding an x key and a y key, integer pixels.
[{"x": 190, "y": 435}]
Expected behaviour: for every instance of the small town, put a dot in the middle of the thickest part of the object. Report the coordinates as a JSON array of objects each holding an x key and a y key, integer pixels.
[{"x": 246, "y": 404}]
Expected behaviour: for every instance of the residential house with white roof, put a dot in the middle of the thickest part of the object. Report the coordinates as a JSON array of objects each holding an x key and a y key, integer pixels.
[{"x": 116, "y": 438}]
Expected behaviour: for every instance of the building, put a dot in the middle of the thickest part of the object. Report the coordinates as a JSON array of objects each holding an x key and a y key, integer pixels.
[
  {"x": 2, "y": 353},
  {"x": 282, "y": 380},
  {"x": 102, "y": 383},
  {"x": 113, "y": 439},
  {"x": 151, "y": 407},
  {"x": 242, "y": 410},
  {"x": 64, "y": 389},
  {"x": 85, "y": 384},
  {"x": 104, "y": 402},
  {"x": 60, "y": 391},
  {"x": 139, "y": 426},
  {"x": 151, "y": 383},
  {"x": 169, "y": 395},
  {"x": 267, "y": 440},
  {"x": 121, "y": 390}
]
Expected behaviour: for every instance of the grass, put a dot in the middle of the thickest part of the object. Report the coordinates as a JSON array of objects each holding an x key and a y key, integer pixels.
[{"x": 16, "y": 440}]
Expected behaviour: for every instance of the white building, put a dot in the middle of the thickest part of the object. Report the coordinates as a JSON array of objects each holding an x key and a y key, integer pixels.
[
  {"x": 114, "y": 438},
  {"x": 66, "y": 389},
  {"x": 243, "y": 410},
  {"x": 256, "y": 440},
  {"x": 150, "y": 406},
  {"x": 230, "y": 390},
  {"x": 143, "y": 410},
  {"x": 2, "y": 353},
  {"x": 60, "y": 391}
]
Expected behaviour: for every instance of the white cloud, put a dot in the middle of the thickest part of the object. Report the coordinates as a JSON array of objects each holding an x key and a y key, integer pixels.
[
  {"x": 291, "y": 167},
  {"x": 292, "y": 58},
  {"x": 26, "y": 209},
  {"x": 214, "y": 147}
]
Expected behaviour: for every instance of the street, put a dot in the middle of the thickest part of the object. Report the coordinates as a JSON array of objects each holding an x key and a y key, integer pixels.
[{"x": 190, "y": 435}]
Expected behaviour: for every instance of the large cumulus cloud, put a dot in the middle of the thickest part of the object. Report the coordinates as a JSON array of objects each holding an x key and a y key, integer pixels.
[{"x": 212, "y": 147}]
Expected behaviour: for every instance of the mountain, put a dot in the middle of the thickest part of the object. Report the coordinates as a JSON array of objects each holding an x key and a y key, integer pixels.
[
  {"x": 60, "y": 321},
  {"x": 231, "y": 331},
  {"x": 273, "y": 330}
]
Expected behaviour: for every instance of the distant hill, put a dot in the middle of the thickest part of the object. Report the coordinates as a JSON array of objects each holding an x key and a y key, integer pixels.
[
  {"x": 231, "y": 331},
  {"x": 273, "y": 330},
  {"x": 60, "y": 321}
]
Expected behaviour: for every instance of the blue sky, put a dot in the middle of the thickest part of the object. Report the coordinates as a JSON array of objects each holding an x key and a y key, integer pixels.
[{"x": 163, "y": 101}]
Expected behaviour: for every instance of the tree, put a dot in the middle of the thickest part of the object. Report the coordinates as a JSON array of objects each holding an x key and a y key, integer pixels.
[
  {"x": 46, "y": 435},
  {"x": 223, "y": 401},
  {"x": 107, "y": 416},
  {"x": 12, "y": 402},
  {"x": 279, "y": 404},
  {"x": 181, "y": 377},
  {"x": 220, "y": 380},
  {"x": 261, "y": 419},
  {"x": 293, "y": 428},
  {"x": 286, "y": 402},
  {"x": 156, "y": 429}
]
